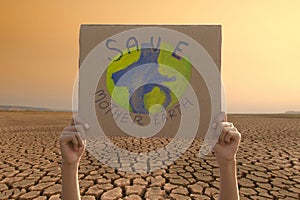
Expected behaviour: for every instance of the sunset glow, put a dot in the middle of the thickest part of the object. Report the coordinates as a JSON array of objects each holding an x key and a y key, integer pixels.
[{"x": 260, "y": 52}]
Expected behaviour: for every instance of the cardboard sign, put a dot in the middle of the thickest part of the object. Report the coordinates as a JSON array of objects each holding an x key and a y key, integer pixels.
[{"x": 146, "y": 70}]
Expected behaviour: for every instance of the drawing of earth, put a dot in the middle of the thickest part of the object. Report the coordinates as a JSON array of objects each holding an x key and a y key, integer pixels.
[{"x": 141, "y": 82}]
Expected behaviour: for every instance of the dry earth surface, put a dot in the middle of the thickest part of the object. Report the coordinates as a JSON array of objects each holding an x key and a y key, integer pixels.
[{"x": 268, "y": 162}]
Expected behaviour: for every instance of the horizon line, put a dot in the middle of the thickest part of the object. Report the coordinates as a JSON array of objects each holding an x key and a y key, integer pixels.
[{"x": 33, "y": 108}]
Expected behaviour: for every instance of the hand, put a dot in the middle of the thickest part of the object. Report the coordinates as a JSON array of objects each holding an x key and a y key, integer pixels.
[
  {"x": 229, "y": 140},
  {"x": 225, "y": 152},
  {"x": 72, "y": 141}
]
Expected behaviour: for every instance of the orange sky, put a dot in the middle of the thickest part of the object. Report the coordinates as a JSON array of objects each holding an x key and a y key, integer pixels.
[{"x": 260, "y": 53}]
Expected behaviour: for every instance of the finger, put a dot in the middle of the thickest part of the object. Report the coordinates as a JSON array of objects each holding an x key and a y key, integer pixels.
[
  {"x": 79, "y": 139},
  {"x": 218, "y": 119},
  {"x": 224, "y": 133},
  {"x": 228, "y": 136},
  {"x": 70, "y": 139},
  {"x": 227, "y": 124},
  {"x": 233, "y": 136},
  {"x": 74, "y": 141},
  {"x": 77, "y": 128},
  {"x": 78, "y": 120},
  {"x": 68, "y": 133},
  {"x": 81, "y": 131},
  {"x": 219, "y": 130},
  {"x": 70, "y": 128},
  {"x": 221, "y": 126},
  {"x": 222, "y": 136}
]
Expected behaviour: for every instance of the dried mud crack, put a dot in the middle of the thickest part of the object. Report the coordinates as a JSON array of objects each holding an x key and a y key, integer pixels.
[{"x": 268, "y": 162}]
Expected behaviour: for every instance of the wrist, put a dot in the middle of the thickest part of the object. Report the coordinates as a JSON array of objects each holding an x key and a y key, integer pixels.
[
  {"x": 224, "y": 163},
  {"x": 70, "y": 166}
]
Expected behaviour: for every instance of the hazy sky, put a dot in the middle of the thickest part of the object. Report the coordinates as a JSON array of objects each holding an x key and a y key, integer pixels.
[{"x": 260, "y": 54}]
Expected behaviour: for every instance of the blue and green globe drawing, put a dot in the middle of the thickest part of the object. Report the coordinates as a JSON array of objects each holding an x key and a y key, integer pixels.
[{"x": 141, "y": 82}]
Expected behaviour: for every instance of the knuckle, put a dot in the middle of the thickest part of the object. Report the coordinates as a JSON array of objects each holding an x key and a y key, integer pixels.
[
  {"x": 220, "y": 123},
  {"x": 79, "y": 127},
  {"x": 64, "y": 132}
]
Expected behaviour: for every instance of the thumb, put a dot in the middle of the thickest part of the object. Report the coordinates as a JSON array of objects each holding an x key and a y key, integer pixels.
[{"x": 217, "y": 148}]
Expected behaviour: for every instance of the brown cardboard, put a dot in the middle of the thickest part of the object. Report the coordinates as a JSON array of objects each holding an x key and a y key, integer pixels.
[{"x": 209, "y": 36}]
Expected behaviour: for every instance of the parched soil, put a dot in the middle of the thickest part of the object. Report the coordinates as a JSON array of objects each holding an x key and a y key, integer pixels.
[{"x": 268, "y": 162}]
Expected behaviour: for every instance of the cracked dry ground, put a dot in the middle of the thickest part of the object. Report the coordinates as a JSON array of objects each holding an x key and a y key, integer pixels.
[{"x": 267, "y": 162}]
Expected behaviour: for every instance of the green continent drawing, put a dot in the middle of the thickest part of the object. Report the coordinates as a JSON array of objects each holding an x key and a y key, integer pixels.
[{"x": 141, "y": 82}]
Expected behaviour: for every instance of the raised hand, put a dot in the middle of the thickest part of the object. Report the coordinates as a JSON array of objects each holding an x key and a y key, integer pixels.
[
  {"x": 72, "y": 141},
  {"x": 225, "y": 151}
]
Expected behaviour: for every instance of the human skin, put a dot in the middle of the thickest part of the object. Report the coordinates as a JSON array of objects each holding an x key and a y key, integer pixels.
[
  {"x": 225, "y": 152},
  {"x": 72, "y": 144}
]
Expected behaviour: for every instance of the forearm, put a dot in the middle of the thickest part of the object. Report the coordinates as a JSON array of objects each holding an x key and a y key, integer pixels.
[
  {"x": 70, "y": 186},
  {"x": 228, "y": 181}
]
